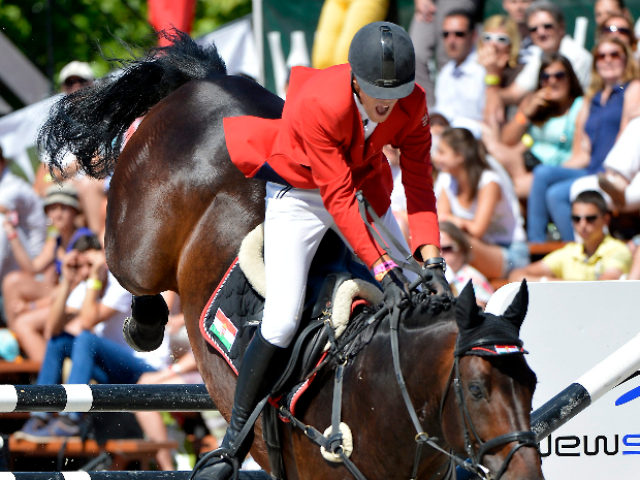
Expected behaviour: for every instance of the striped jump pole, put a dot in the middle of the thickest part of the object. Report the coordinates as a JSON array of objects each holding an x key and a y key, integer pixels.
[
  {"x": 608, "y": 374},
  {"x": 104, "y": 398},
  {"x": 244, "y": 475}
]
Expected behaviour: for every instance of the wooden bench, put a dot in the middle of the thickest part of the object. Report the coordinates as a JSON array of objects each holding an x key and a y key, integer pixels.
[
  {"x": 123, "y": 451},
  {"x": 20, "y": 372},
  {"x": 544, "y": 248}
]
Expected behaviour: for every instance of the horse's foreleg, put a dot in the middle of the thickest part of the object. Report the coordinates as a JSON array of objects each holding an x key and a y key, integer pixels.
[{"x": 144, "y": 330}]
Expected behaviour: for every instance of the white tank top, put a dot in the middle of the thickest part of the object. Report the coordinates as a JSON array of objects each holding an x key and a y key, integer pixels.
[{"x": 506, "y": 224}]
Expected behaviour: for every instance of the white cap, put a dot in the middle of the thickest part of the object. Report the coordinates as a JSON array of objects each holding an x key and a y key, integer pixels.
[{"x": 76, "y": 69}]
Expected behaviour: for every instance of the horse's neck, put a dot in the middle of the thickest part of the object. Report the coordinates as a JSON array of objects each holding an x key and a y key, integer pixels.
[{"x": 426, "y": 358}]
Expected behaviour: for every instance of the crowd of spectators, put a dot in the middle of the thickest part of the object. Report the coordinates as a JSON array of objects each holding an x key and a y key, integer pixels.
[
  {"x": 525, "y": 122},
  {"x": 534, "y": 138},
  {"x": 59, "y": 300}
]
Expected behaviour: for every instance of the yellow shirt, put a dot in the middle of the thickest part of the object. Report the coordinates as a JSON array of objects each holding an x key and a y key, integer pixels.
[{"x": 571, "y": 263}]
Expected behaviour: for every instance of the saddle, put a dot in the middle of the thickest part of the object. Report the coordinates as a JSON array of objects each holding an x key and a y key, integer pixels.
[{"x": 338, "y": 282}]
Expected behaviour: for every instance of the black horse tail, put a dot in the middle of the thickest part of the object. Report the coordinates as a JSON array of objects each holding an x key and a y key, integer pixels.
[{"x": 91, "y": 123}]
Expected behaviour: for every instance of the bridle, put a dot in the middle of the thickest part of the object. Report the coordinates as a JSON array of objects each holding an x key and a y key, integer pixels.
[
  {"x": 523, "y": 438},
  {"x": 474, "y": 464}
]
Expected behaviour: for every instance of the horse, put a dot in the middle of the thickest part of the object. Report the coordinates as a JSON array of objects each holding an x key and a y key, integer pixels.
[{"x": 177, "y": 211}]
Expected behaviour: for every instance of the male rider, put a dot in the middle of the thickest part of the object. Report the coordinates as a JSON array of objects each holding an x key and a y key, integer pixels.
[{"x": 327, "y": 146}]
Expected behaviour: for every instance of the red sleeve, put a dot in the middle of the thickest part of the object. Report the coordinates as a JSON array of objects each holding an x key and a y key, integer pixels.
[
  {"x": 324, "y": 149},
  {"x": 415, "y": 163}
]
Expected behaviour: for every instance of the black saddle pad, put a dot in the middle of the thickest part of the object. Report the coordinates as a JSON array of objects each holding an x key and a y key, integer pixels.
[{"x": 234, "y": 312}]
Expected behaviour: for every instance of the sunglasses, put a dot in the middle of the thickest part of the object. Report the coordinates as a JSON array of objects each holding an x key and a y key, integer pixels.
[
  {"x": 589, "y": 218},
  {"x": 500, "y": 38},
  {"x": 449, "y": 248},
  {"x": 544, "y": 26},
  {"x": 544, "y": 76},
  {"x": 614, "y": 29},
  {"x": 70, "y": 82},
  {"x": 456, "y": 33},
  {"x": 615, "y": 55}
]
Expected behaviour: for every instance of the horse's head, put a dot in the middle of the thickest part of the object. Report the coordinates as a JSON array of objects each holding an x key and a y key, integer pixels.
[{"x": 487, "y": 413}]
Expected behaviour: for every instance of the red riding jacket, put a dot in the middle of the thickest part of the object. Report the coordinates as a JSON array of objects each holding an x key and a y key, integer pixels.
[{"x": 319, "y": 144}]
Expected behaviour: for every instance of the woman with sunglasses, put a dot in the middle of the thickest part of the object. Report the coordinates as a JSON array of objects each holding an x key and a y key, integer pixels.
[
  {"x": 621, "y": 27},
  {"x": 499, "y": 49},
  {"x": 542, "y": 129},
  {"x": 457, "y": 252},
  {"x": 613, "y": 94}
]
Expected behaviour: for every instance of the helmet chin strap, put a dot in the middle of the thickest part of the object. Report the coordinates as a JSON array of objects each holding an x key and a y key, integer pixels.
[{"x": 353, "y": 87}]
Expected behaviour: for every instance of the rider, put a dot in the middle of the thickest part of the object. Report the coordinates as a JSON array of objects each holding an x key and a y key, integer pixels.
[{"x": 327, "y": 146}]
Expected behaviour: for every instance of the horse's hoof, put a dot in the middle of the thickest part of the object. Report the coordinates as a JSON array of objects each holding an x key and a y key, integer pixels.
[{"x": 142, "y": 339}]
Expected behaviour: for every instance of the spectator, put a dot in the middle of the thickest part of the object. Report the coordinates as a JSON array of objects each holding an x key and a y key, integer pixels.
[
  {"x": 603, "y": 9},
  {"x": 620, "y": 182},
  {"x": 545, "y": 122},
  {"x": 547, "y": 29},
  {"x": 606, "y": 112},
  {"x": 75, "y": 76},
  {"x": 23, "y": 210},
  {"x": 598, "y": 257},
  {"x": 620, "y": 27},
  {"x": 91, "y": 192},
  {"x": 426, "y": 33},
  {"x": 477, "y": 200},
  {"x": 517, "y": 11},
  {"x": 457, "y": 252},
  {"x": 499, "y": 46},
  {"x": 499, "y": 53},
  {"x": 85, "y": 324},
  {"x": 28, "y": 298},
  {"x": 460, "y": 91}
]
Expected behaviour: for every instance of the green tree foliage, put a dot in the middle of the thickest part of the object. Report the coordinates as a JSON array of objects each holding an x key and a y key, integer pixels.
[{"x": 81, "y": 29}]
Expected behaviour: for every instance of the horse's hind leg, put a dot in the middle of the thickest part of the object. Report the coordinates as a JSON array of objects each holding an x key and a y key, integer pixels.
[{"x": 144, "y": 330}]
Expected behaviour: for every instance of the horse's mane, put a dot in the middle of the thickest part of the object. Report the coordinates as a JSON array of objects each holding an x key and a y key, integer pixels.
[
  {"x": 91, "y": 123},
  {"x": 425, "y": 311}
]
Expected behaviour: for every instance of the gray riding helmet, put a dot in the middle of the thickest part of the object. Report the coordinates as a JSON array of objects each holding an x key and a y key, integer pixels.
[{"x": 383, "y": 61}]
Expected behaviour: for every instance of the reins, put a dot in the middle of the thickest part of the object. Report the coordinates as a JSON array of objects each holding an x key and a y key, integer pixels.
[{"x": 333, "y": 443}]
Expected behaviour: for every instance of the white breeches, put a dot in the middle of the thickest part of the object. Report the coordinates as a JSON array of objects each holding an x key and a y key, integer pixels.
[{"x": 295, "y": 223}]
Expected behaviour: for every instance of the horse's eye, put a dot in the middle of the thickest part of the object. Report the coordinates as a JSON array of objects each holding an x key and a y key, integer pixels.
[{"x": 476, "y": 391}]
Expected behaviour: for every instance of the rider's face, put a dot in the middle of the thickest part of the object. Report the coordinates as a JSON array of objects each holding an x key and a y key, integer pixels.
[{"x": 378, "y": 110}]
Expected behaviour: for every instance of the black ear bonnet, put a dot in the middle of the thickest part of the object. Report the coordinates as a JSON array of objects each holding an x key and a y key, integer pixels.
[{"x": 486, "y": 334}]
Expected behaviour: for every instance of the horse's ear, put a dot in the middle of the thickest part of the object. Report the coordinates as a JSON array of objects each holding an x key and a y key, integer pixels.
[
  {"x": 518, "y": 308},
  {"x": 468, "y": 313}
]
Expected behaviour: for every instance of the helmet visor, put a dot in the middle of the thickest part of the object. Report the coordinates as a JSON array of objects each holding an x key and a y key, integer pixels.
[{"x": 385, "y": 93}]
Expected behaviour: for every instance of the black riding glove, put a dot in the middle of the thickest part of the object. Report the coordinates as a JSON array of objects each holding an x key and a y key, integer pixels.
[
  {"x": 436, "y": 280},
  {"x": 396, "y": 288}
]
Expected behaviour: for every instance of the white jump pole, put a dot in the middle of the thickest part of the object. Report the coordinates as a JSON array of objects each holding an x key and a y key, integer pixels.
[{"x": 609, "y": 373}]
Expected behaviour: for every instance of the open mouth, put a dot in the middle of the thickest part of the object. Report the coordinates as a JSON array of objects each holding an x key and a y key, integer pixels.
[{"x": 382, "y": 110}]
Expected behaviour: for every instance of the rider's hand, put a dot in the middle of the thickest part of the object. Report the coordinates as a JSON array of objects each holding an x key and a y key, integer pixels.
[
  {"x": 396, "y": 288},
  {"x": 438, "y": 281}
]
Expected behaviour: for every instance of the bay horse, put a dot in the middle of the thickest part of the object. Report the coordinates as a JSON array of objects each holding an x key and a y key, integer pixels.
[{"x": 177, "y": 212}]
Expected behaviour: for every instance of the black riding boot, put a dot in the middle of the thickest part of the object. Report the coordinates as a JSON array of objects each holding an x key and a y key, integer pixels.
[{"x": 259, "y": 372}]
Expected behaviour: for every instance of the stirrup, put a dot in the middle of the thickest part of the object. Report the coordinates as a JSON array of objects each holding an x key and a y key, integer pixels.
[{"x": 223, "y": 453}]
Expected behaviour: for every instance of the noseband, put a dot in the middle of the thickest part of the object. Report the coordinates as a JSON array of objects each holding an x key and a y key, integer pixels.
[{"x": 523, "y": 438}]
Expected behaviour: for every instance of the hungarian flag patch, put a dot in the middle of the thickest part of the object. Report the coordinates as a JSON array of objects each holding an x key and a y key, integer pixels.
[
  {"x": 222, "y": 328},
  {"x": 496, "y": 350}
]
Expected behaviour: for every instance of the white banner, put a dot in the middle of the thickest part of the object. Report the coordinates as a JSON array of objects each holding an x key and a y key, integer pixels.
[
  {"x": 569, "y": 329},
  {"x": 18, "y": 134}
]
